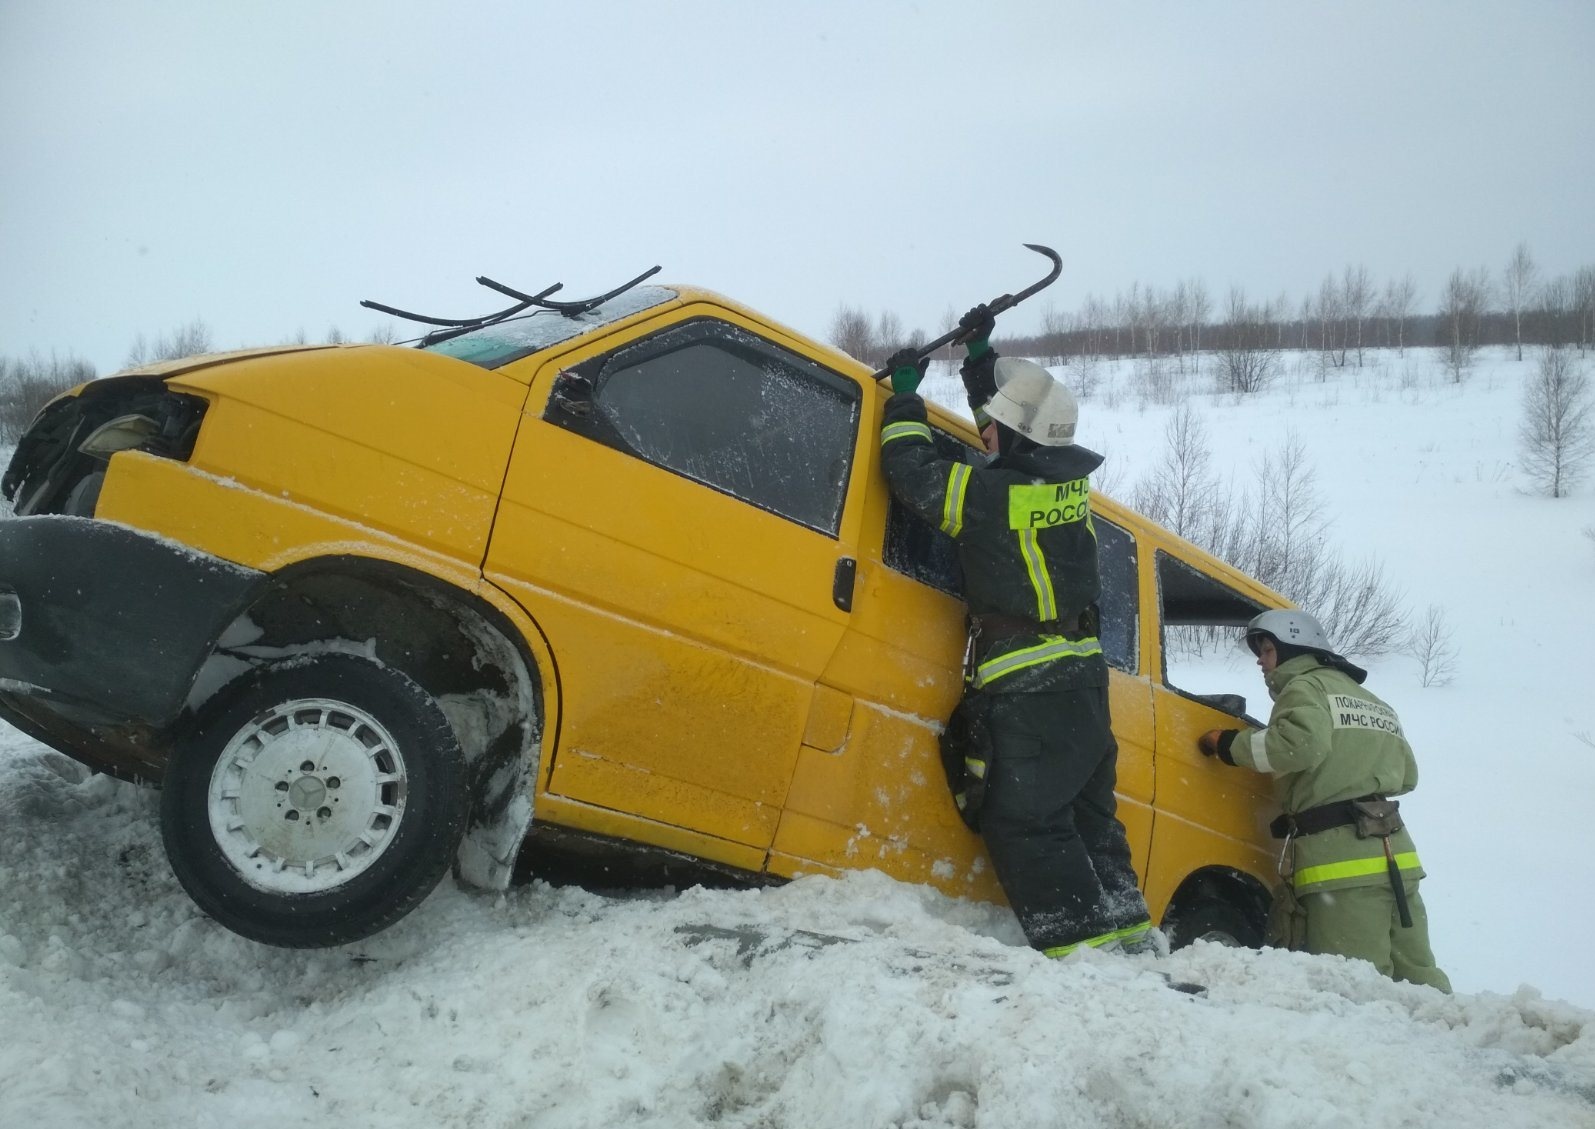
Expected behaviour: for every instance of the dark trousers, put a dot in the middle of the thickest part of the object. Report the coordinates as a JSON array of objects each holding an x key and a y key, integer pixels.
[{"x": 1048, "y": 816}]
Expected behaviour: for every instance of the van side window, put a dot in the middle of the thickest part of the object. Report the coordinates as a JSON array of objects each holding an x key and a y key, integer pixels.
[
  {"x": 1200, "y": 629},
  {"x": 921, "y": 551},
  {"x": 721, "y": 406},
  {"x": 1120, "y": 602}
]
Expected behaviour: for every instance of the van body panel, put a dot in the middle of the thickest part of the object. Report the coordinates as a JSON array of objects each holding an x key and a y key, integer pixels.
[{"x": 691, "y": 626}]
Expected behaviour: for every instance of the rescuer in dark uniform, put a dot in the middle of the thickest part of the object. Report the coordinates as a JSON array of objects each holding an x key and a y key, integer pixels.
[{"x": 1032, "y": 754}]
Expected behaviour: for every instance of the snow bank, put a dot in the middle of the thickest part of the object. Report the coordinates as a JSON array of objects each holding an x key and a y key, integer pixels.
[{"x": 861, "y": 1002}]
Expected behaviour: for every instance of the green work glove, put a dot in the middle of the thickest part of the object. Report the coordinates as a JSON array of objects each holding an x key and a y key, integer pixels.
[
  {"x": 907, "y": 368},
  {"x": 978, "y": 324}
]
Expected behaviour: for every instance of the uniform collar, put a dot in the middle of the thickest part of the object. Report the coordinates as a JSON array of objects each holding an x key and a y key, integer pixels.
[
  {"x": 1276, "y": 679},
  {"x": 1073, "y": 461}
]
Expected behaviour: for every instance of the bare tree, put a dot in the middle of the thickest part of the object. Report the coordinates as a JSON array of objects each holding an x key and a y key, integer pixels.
[
  {"x": 1400, "y": 298},
  {"x": 1331, "y": 336},
  {"x": 1248, "y": 358},
  {"x": 184, "y": 341},
  {"x": 1280, "y": 539},
  {"x": 27, "y": 385},
  {"x": 1357, "y": 607},
  {"x": 1200, "y": 307},
  {"x": 1277, "y": 313},
  {"x": 1188, "y": 310},
  {"x": 1431, "y": 645},
  {"x": 1517, "y": 287},
  {"x": 1288, "y": 552},
  {"x": 1584, "y": 304},
  {"x": 1291, "y": 512},
  {"x": 949, "y": 318},
  {"x": 1149, "y": 311},
  {"x": 1462, "y": 306},
  {"x": 1306, "y": 316},
  {"x": 1086, "y": 376},
  {"x": 889, "y": 331},
  {"x": 1124, "y": 319},
  {"x": 1179, "y": 314},
  {"x": 1558, "y": 431},
  {"x": 1180, "y": 491},
  {"x": 1094, "y": 320},
  {"x": 1552, "y": 315},
  {"x": 1356, "y": 297},
  {"x": 1054, "y": 329},
  {"x": 852, "y": 332}
]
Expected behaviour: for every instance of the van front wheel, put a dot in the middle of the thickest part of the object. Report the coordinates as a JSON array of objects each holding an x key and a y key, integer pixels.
[{"x": 315, "y": 801}]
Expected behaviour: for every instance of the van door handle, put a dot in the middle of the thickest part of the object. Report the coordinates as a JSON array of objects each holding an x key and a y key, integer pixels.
[{"x": 842, "y": 583}]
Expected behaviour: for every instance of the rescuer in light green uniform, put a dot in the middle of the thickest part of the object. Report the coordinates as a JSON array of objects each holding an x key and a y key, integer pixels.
[{"x": 1337, "y": 754}]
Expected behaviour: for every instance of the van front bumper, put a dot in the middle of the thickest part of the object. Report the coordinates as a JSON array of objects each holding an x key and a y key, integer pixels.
[{"x": 108, "y": 620}]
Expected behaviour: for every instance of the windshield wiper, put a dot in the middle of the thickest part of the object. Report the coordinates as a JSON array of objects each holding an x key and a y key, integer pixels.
[
  {"x": 568, "y": 309},
  {"x": 456, "y": 326}
]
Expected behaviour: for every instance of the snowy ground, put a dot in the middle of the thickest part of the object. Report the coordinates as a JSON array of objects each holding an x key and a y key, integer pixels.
[{"x": 121, "y": 1005}]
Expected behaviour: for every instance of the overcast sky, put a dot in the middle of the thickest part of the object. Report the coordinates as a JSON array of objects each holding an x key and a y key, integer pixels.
[{"x": 264, "y": 166}]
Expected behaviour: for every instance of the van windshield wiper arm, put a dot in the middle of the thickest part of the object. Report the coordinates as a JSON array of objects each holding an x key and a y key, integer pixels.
[
  {"x": 466, "y": 323},
  {"x": 568, "y": 309},
  {"x": 454, "y": 327}
]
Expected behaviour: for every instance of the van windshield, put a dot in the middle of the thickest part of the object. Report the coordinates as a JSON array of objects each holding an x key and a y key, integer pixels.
[{"x": 520, "y": 336}]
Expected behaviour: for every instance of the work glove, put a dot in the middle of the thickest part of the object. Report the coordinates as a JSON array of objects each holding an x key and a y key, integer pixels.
[
  {"x": 977, "y": 325},
  {"x": 979, "y": 374},
  {"x": 1216, "y": 743},
  {"x": 907, "y": 368}
]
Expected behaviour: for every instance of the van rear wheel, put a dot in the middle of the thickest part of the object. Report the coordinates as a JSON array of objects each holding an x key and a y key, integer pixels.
[
  {"x": 1217, "y": 920},
  {"x": 315, "y": 801}
]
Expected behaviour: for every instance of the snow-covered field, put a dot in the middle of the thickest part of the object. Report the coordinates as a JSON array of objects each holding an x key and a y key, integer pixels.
[{"x": 120, "y": 1005}]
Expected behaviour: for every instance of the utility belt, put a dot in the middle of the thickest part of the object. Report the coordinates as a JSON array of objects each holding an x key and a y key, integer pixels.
[
  {"x": 1375, "y": 816},
  {"x": 1063, "y": 638},
  {"x": 1078, "y": 627}
]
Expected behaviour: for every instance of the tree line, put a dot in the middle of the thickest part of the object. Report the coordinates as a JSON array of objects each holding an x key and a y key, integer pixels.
[{"x": 1348, "y": 314}]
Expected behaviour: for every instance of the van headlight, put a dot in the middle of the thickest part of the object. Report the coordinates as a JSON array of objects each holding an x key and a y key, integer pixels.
[{"x": 121, "y": 434}]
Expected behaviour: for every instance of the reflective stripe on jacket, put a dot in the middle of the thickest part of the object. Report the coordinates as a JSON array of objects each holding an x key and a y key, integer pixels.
[
  {"x": 1329, "y": 739},
  {"x": 1025, "y": 540}
]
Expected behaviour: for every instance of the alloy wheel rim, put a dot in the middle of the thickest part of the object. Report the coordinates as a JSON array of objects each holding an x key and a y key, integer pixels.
[{"x": 307, "y": 795}]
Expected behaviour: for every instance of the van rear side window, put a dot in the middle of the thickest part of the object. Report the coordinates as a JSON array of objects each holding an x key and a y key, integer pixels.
[
  {"x": 1120, "y": 603},
  {"x": 921, "y": 551}
]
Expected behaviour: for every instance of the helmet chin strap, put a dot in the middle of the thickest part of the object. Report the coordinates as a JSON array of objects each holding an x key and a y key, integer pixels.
[{"x": 1009, "y": 441}]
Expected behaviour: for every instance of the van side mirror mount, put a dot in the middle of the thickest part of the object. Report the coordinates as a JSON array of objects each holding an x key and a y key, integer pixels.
[
  {"x": 572, "y": 397},
  {"x": 1230, "y": 703}
]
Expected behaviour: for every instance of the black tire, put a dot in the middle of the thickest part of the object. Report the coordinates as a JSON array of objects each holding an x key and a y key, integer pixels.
[
  {"x": 265, "y": 832},
  {"x": 1218, "y": 920}
]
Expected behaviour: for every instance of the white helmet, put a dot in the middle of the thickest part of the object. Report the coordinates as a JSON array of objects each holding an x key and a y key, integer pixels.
[
  {"x": 1032, "y": 403},
  {"x": 1295, "y": 628}
]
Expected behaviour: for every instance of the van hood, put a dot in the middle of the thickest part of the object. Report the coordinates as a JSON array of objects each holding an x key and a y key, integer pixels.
[{"x": 165, "y": 369}]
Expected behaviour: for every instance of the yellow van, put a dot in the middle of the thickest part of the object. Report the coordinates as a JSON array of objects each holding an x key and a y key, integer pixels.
[{"x": 618, "y": 580}]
